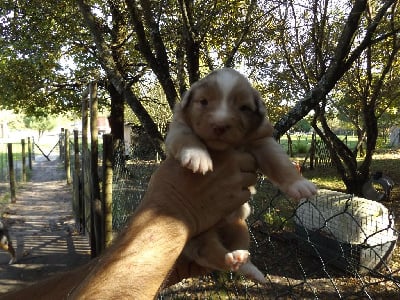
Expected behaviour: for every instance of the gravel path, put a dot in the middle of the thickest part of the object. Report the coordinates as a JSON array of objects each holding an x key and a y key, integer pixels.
[{"x": 42, "y": 229}]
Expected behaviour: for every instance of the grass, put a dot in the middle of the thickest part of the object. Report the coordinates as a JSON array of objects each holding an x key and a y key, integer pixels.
[
  {"x": 301, "y": 142},
  {"x": 385, "y": 160},
  {"x": 4, "y": 171}
]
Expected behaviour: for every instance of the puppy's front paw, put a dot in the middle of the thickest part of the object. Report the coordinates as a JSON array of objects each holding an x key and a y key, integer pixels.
[
  {"x": 196, "y": 159},
  {"x": 301, "y": 189},
  {"x": 235, "y": 259}
]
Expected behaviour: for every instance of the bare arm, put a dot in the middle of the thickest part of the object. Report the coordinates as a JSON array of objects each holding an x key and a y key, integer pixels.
[{"x": 177, "y": 206}]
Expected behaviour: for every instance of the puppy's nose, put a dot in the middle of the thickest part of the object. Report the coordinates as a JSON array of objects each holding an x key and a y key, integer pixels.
[{"x": 220, "y": 129}]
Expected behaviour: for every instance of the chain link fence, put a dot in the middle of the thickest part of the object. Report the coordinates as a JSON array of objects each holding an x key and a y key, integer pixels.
[
  {"x": 334, "y": 246},
  {"x": 331, "y": 247}
]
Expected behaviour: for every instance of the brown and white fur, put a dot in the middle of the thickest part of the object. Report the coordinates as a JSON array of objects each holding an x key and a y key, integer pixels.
[
  {"x": 222, "y": 111},
  {"x": 5, "y": 242}
]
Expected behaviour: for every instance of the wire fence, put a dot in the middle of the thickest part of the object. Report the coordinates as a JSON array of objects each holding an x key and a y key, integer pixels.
[
  {"x": 331, "y": 247},
  {"x": 334, "y": 246},
  {"x": 4, "y": 162}
]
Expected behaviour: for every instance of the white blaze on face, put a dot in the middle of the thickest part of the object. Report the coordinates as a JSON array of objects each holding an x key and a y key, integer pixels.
[{"x": 226, "y": 81}]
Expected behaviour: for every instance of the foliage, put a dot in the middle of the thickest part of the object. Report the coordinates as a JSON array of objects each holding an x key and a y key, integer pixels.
[
  {"x": 336, "y": 59},
  {"x": 274, "y": 219},
  {"x": 34, "y": 38},
  {"x": 349, "y": 80},
  {"x": 41, "y": 124}
]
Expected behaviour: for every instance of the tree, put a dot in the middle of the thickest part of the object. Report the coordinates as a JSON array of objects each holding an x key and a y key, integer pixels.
[
  {"x": 316, "y": 67},
  {"x": 41, "y": 124},
  {"x": 297, "y": 53},
  {"x": 32, "y": 41}
]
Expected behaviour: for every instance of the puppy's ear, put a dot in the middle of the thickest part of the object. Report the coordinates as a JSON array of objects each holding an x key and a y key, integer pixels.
[
  {"x": 260, "y": 106},
  {"x": 186, "y": 97},
  {"x": 264, "y": 128}
]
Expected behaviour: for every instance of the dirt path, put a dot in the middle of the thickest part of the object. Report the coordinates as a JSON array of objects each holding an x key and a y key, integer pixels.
[{"x": 42, "y": 229}]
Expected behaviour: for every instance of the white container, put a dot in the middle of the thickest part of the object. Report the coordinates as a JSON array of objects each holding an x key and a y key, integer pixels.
[{"x": 352, "y": 233}]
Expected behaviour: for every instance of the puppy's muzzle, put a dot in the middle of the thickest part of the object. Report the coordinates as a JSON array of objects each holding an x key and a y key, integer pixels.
[{"x": 220, "y": 130}]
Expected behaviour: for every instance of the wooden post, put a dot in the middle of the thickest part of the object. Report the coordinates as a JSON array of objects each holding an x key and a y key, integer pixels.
[
  {"x": 33, "y": 148},
  {"x": 78, "y": 203},
  {"x": 108, "y": 154},
  {"x": 67, "y": 157},
  {"x": 312, "y": 151},
  {"x": 12, "y": 174},
  {"x": 61, "y": 141},
  {"x": 23, "y": 160},
  {"x": 85, "y": 174},
  {"x": 97, "y": 213},
  {"x": 77, "y": 163},
  {"x": 29, "y": 153}
]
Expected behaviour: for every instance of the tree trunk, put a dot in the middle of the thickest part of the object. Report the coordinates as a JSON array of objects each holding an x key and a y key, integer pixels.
[
  {"x": 116, "y": 118},
  {"x": 155, "y": 56},
  {"x": 116, "y": 78},
  {"x": 354, "y": 175}
]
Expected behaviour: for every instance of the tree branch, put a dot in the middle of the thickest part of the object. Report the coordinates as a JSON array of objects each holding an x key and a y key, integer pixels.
[{"x": 334, "y": 72}]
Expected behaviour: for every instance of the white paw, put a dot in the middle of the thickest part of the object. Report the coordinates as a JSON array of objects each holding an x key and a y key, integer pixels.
[
  {"x": 196, "y": 159},
  {"x": 301, "y": 189},
  {"x": 235, "y": 259}
]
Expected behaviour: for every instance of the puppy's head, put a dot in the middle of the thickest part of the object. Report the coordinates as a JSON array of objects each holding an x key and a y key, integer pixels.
[{"x": 222, "y": 109}]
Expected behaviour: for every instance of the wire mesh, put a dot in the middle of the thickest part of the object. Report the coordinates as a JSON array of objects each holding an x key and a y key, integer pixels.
[
  {"x": 130, "y": 178},
  {"x": 332, "y": 247},
  {"x": 329, "y": 259}
]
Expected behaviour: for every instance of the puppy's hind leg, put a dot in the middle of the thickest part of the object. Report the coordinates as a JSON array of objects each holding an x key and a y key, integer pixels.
[
  {"x": 237, "y": 237},
  {"x": 208, "y": 251}
]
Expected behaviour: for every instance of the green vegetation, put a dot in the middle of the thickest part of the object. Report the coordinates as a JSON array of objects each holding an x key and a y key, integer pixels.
[{"x": 318, "y": 65}]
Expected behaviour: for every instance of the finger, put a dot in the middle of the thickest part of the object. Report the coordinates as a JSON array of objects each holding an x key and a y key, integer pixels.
[{"x": 185, "y": 269}]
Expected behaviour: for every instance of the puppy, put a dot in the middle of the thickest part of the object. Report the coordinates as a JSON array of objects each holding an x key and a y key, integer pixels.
[
  {"x": 5, "y": 242},
  {"x": 224, "y": 111}
]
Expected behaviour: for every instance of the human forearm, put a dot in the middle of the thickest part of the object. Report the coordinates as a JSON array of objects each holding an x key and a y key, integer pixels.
[{"x": 132, "y": 268}]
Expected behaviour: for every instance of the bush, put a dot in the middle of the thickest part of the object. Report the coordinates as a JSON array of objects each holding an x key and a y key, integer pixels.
[{"x": 301, "y": 147}]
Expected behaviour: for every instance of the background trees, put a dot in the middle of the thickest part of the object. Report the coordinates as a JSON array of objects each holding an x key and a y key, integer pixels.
[
  {"x": 306, "y": 57},
  {"x": 348, "y": 76}
]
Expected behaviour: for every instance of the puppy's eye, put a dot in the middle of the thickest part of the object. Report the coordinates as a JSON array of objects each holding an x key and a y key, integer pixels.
[
  {"x": 203, "y": 102},
  {"x": 244, "y": 108}
]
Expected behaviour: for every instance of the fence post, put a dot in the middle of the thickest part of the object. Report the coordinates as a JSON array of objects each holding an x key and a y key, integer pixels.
[
  {"x": 97, "y": 213},
  {"x": 23, "y": 160},
  {"x": 108, "y": 155},
  {"x": 12, "y": 174},
  {"x": 86, "y": 198},
  {"x": 61, "y": 144},
  {"x": 67, "y": 157},
  {"x": 33, "y": 148},
  {"x": 78, "y": 203},
  {"x": 30, "y": 153},
  {"x": 312, "y": 150}
]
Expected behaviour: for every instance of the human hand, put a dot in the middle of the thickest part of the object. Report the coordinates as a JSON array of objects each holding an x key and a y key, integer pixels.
[{"x": 199, "y": 200}]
